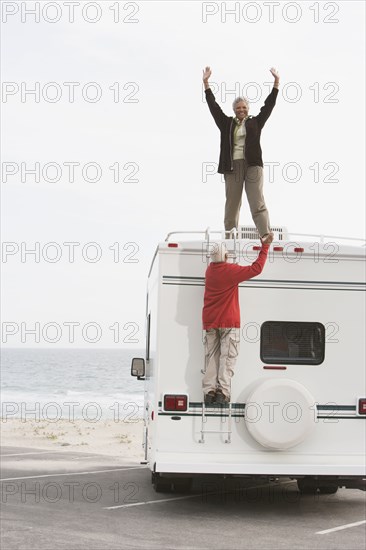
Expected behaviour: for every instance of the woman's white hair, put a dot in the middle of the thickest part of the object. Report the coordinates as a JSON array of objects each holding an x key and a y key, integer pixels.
[{"x": 238, "y": 100}]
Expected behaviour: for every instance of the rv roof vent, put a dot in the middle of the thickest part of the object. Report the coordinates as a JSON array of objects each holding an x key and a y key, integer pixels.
[{"x": 251, "y": 233}]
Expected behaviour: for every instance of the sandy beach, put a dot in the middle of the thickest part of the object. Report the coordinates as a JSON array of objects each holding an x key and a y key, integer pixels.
[{"x": 106, "y": 437}]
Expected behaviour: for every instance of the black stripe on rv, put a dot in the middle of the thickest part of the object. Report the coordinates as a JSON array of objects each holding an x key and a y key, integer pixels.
[
  {"x": 249, "y": 282},
  {"x": 271, "y": 283},
  {"x": 226, "y": 415},
  {"x": 198, "y": 404}
]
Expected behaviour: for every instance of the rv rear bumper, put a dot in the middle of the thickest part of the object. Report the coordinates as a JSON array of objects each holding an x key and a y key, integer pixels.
[{"x": 282, "y": 465}]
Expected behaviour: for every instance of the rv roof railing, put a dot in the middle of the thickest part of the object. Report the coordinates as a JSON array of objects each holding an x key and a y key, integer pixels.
[
  {"x": 205, "y": 232},
  {"x": 233, "y": 234},
  {"x": 322, "y": 237}
]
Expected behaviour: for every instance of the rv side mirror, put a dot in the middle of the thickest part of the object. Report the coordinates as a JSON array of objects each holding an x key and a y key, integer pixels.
[{"x": 138, "y": 367}]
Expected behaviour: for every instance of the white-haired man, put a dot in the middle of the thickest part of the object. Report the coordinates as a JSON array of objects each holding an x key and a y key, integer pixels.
[
  {"x": 221, "y": 320},
  {"x": 241, "y": 156}
]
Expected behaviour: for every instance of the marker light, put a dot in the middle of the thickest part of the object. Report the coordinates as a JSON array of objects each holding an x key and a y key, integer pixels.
[
  {"x": 172, "y": 402},
  {"x": 362, "y": 406}
]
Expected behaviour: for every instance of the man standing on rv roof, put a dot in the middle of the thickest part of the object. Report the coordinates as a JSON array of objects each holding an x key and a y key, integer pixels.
[
  {"x": 221, "y": 320},
  {"x": 241, "y": 155}
]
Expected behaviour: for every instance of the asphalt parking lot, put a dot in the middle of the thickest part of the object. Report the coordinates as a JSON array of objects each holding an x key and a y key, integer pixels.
[{"x": 73, "y": 500}]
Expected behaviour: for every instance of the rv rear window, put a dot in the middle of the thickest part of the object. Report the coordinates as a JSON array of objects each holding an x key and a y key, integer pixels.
[{"x": 292, "y": 343}]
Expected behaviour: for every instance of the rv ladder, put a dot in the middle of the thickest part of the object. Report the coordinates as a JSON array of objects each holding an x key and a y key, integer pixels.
[
  {"x": 203, "y": 420},
  {"x": 232, "y": 235}
]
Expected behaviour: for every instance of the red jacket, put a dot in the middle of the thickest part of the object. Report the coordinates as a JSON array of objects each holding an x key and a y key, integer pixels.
[{"x": 221, "y": 299}]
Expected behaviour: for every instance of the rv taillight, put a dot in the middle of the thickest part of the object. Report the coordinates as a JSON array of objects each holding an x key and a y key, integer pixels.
[
  {"x": 173, "y": 245},
  {"x": 362, "y": 406},
  {"x": 181, "y": 403},
  {"x": 175, "y": 402}
]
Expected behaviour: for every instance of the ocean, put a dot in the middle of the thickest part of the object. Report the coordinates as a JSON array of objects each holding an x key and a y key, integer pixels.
[{"x": 48, "y": 384}]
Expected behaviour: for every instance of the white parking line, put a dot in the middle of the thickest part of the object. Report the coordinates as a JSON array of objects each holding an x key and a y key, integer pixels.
[
  {"x": 150, "y": 502},
  {"x": 73, "y": 473},
  {"x": 82, "y": 457},
  {"x": 33, "y": 453},
  {"x": 61, "y": 451},
  {"x": 347, "y": 526},
  {"x": 184, "y": 497}
]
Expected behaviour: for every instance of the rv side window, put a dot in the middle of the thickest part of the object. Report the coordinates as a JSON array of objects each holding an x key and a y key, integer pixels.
[
  {"x": 148, "y": 337},
  {"x": 295, "y": 343}
]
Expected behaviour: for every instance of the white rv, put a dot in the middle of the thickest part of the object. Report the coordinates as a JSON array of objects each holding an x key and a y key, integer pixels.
[{"x": 298, "y": 399}]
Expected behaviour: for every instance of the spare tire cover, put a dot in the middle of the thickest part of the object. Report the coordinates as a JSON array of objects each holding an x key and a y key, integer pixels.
[{"x": 280, "y": 413}]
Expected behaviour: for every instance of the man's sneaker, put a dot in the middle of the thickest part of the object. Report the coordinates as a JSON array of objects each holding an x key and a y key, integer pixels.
[
  {"x": 222, "y": 399},
  {"x": 210, "y": 398}
]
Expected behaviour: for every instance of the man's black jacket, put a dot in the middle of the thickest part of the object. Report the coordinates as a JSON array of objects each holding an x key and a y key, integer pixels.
[{"x": 253, "y": 126}]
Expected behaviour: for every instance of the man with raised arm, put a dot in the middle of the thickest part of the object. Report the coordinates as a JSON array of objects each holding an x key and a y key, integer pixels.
[
  {"x": 221, "y": 320},
  {"x": 241, "y": 155}
]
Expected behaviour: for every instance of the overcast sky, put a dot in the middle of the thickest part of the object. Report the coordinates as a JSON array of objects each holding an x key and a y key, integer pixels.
[{"x": 126, "y": 149}]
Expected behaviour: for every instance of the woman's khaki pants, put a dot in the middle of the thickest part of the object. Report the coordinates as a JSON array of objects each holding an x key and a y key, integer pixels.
[{"x": 252, "y": 177}]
